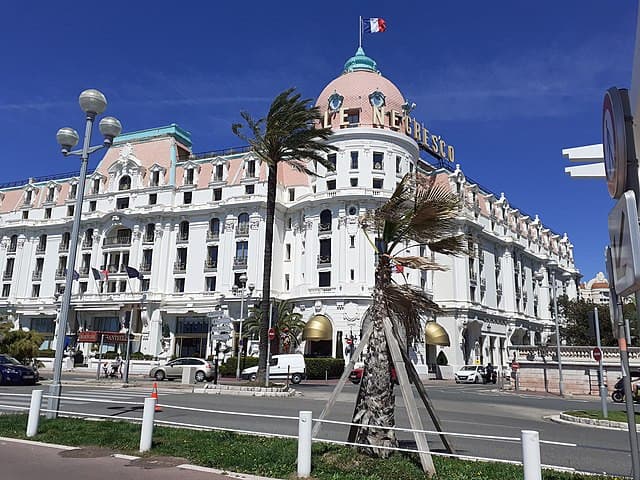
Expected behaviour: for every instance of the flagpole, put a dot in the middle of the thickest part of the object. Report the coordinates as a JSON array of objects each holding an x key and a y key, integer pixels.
[{"x": 360, "y": 32}]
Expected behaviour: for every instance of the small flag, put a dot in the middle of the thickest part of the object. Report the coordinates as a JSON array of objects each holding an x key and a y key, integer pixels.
[
  {"x": 374, "y": 25},
  {"x": 76, "y": 275},
  {"x": 132, "y": 272},
  {"x": 104, "y": 274},
  {"x": 96, "y": 274}
]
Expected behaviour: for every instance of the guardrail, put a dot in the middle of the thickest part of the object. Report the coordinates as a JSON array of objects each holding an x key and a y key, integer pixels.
[{"x": 529, "y": 439}]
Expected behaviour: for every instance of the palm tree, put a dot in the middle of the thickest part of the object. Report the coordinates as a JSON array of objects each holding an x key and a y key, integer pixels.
[
  {"x": 288, "y": 327},
  {"x": 424, "y": 213},
  {"x": 289, "y": 134}
]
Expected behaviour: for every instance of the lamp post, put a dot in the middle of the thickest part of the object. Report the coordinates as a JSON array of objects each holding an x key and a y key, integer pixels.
[
  {"x": 93, "y": 103},
  {"x": 241, "y": 289}
]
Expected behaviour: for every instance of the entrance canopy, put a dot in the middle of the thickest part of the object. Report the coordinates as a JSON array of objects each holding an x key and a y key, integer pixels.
[
  {"x": 318, "y": 328},
  {"x": 436, "y": 335}
]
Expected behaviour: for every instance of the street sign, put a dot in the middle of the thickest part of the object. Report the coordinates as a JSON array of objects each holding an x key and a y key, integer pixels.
[
  {"x": 272, "y": 334},
  {"x": 597, "y": 354},
  {"x": 349, "y": 341},
  {"x": 221, "y": 325},
  {"x": 220, "y": 337},
  {"x": 624, "y": 234},
  {"x": 515, "y": 365},
  {"x": 214, "y": 314}
]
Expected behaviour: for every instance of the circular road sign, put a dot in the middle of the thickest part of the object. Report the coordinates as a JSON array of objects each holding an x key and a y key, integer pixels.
[
  {"x": 272, "y": 334},
  {"x": 515, "y": 365},
  {"x": 614, "y": 141},
  {"x": 597, "y": 354}
]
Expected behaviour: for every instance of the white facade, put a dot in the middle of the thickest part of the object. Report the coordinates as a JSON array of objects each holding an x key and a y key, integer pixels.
[{"x": 193, "y": 223}]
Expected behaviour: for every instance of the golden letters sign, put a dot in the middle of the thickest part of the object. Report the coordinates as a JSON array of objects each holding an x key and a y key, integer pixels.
[{"x": 399, "y": 122}]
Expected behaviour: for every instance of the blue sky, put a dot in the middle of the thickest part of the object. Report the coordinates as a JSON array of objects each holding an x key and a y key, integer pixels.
[{"x": 508, "y": 83}]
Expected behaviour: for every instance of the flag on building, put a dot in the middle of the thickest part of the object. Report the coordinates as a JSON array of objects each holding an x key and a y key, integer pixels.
[
  {"x": 76, "y": 275},
  {"x": 104, "y": 274},
  {"x": 96, "y": 274},
  {"x": 374, "y": 25},
  {"x": 132, "y": 272}
]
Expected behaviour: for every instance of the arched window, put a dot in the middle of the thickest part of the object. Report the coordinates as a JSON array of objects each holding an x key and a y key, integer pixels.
[
  {"x": 125, "y": 183},
  {"x": 243, "y": 224},
  {"x": 183, "y": 232},
  {"x": 325, "y": 221},
  {"x": 149, "y": 232}
]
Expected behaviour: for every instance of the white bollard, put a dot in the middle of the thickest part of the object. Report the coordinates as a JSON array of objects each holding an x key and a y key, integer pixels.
[
  {"x": 34, "y": 413},
  {"x": 146, "y": 433},
  {"x": 305, "y": 423},
  {"x": 531, "y": 455}
]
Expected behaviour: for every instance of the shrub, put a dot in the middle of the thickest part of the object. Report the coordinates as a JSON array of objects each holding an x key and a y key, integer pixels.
[
  {"x": 141, "y": 356},
  {"x": 442, "y": 359},
  {"x": 228, "y": 369},
  {"x": 317, "y": 368},
  {"x": 48, "y": 353}
]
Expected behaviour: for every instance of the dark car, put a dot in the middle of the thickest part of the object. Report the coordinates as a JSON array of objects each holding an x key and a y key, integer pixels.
[{"x": 13, "y": 372}]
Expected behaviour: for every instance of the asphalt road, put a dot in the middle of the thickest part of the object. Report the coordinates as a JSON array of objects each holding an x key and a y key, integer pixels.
[{"x": 476, "y": 409}]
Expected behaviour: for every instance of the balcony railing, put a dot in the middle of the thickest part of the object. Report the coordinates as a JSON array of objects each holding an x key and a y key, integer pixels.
[
  {"x": 60, "y": 273},
  {"x": 148, "y": 238},
  {"x": 239, "y": 262},
  {"x": 87, "y": 243},
  {"x": 64, "y": 247},
  {"x": 213, "y": 236},
  {"x": 7, "y": 275},
  {"x": 41, "y": 248},
  {"x": 12, "y": 248},
  {"x": 37, "y": 275},
  {"x": 117, "y": 241},
  {"x": 324, "y": 228},
  {"x": 182, "y": 237},
  {"x": 145, "y": 267},
  {"x": 324, "y": 260},
  {"x": 242, "y": 230},
  {"x": 180, "y": 266},
  {"x": 210, "y": 265}
]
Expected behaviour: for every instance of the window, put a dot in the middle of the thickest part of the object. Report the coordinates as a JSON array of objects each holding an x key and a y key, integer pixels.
[
  {"x": 122, "y": 286},
  {"x": 212, "y": 256},
  {"x": 354, "y": 182},
  {"x": 210, "y": 284},
  {"x": 410, "y": 167},
  {"x": 122, "y": 203},
  {"x": 325, "y": 252},
  {"x": 155, "y": 178},
  {"x": 398, "y": 164},
  {"x": 35, "y": 290},
  {"x": 324, "y": 279},
  {"x": 70, "y": 210},
  {"x": 47, "y": 212},
  {"x": 181, "y": 258},
  {"x": 214, "y": 228},
  {"x": 219, "y": 173},
  {"x": 188, "y": 178},
  {"x": 83, "y": 287},
  {"x": 242, "y": 249},
  {"x": 289, "y": 223},
  {"x": 377, "y": 183},
  {"x": 51, "y": 194},
  {"x": 292, "y": 194},
  {"x": 287, "y": 251},
  {"x": 353, "y": 118},
  {"x": 179, "y": 285},
  {"x": 6, "y": 289},
  {"x": 332, "y": 157},
  {"x": 28, "y": 196},
  {"x": 352, "y": 241},
  {"x": 286, "y": 282},
  {"x": 147, "y": 258},
  {"x": 42, "y": 244},
  {"x": 144, "y": 285},
  {"x": 188, "y": 196},
  {"x": 96, "y": 186},
  {"x": 378, "y": 160},
  {"x": 354, "y": 160},
  {"x": 217, "y": 194},
  {"x": 249, "y": 189},
  {"x": 325, "y": 221},
  {"x": 331, "y": 184},
  {"x": 352, "y": 274},
  {"x": 251, "y": 168},
  {"x": 92, "y": 205},
  {"x": 243, "y": 224},
  {"x": 125, "y": 183},
  {"x": 183, "y": 231},
  {"x": 153, "y": 198},
  {"x": 25, "y": 214}
]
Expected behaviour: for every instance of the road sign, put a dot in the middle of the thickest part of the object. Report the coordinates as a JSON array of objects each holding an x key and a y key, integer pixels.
[
  {"x": 220, "y": 325},
  {"x": 515, "y": 365},
  {"x": 220, "y": 337},
  {"x": 597, "y": 354},
  {"x": 624, "y": 234},
  {"x": 272, "y": 334},
  {"x": 214, "y": 314},
  {"x": 349, "y": 341}
]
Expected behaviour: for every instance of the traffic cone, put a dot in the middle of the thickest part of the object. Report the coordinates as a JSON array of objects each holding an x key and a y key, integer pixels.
[{"x": 154, "y": 394}]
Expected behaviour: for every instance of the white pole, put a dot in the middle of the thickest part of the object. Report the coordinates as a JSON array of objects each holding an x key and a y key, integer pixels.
[
  {"x": 269, "y": 346},
  {"x": 240, "y": 333},
  {"x": 360, "y": 32},
  {"x": 146, "y": 434},
  {"x": 34, "y": 413},
  {"x": 305, "y": 422},
  {"x": 601, "y": 385},
  {"x": 531, "y": 455}
]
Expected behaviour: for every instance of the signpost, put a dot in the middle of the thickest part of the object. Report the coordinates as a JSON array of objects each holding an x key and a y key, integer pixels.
[
  {"x": 272, "y": 334},
  {"x": 220, "y": 331},
  {"x": 597, "y": 355}
]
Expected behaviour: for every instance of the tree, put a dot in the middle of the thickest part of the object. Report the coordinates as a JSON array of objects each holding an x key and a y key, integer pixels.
[
  {"x": 288, "y": 326},
  {"x": 21, "y": 345},
  {"x": 290, "y": 135},
  {"x": 424, "y": 213}
]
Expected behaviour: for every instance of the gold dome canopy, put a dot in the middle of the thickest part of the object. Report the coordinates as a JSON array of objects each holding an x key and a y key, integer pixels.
[
  {"x": 435, "y": 334},
  {"x": 318, "y": 328}
]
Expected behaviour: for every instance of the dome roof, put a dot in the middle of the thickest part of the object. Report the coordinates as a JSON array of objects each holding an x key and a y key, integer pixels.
[{"x": 360, "y": 79}]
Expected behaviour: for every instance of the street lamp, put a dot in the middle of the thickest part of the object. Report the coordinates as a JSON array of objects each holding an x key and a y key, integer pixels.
[
  {"x": 93, "y": 103},
  {"x": 241, "y": 289},
  {"x": 552, "y": 266}
]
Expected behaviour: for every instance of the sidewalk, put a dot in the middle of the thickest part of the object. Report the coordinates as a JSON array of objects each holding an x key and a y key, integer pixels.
[{"x": 25, "y": 460}]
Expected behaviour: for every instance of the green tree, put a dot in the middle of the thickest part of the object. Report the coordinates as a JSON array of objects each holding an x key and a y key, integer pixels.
[
  {"x": 21, "y": 345},
  {"x": 288, "y": 136},
  {"x": 288, "y": 327},
  {"x": 422, "y": 214}
]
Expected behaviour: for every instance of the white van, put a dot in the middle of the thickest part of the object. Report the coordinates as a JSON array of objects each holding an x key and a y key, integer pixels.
[{"x": 291, "y": 363}]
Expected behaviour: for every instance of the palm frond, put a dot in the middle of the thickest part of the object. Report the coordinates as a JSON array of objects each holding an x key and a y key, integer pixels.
[
  {"x": 406, "y": 305},
  {"x": 420, "y": 263}
]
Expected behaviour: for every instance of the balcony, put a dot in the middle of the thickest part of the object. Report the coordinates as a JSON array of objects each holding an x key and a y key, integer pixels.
[
  {"x": 87, "y": 243},
  {"x": 324, "y": 260},
  {"x": 324, "y": 228},
  {"x": 60, "y": 274},
  {"x": 210, "y": 265},
  {"x": 213, "y": 236},
  {"x": 182, "y": 237},
  {"x": 124, "y": 241},
  {"x": 145, "y": 267},
  {"x": 64, "y": 247},
  {"x": 242, "y": 230},
  {"x": 148, "y": 238},
  {"x": 239, "y": 262},
  {"x": 180, "y": 266},
  {"x": 37, "y": 275},
  {"x": 7, "y": 275},
  {"x": 41, "y": 248}
]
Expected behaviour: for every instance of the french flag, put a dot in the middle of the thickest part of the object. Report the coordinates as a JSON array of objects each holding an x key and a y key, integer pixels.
[{"x": 374, "y": 25}]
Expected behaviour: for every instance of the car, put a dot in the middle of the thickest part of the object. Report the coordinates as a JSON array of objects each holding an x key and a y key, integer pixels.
[
  {"x": 356, "y": 374},
  {"x": 291, "y": 364},
  {"x": 173, "y": 369},
  {"x": 470, "y": 374},
  {"x": 13, "y": 372}
]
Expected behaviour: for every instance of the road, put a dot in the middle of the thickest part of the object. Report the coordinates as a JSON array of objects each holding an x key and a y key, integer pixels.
[{"x": 477, "y": 409}]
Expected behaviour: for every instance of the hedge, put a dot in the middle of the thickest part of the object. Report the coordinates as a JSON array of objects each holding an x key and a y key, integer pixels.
[
  {"x": 48, "y": 353},
  {"x": 321, "y": 368},
  {"x": 228, "y": 369}
]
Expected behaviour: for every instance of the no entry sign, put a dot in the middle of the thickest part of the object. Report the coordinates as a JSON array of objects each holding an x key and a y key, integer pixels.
[{"x": 597, "y": 354}]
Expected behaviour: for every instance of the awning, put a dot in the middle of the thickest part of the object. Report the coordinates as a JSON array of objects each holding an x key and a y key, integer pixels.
[
  {"x": 435, "y": 334},
  {"x": 318, "y": 328}
]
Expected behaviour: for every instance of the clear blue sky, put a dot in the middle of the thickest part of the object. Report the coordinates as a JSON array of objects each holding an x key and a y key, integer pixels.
[{"x": 508, "y": 83}]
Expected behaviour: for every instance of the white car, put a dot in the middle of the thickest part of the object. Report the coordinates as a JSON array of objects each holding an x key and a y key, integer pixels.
[
  {"x": 291, "y": 364},
  {"x": 470, "y": 374}
]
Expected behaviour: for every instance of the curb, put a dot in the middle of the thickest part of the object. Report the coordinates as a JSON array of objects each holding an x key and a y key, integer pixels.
[
  {"x": 589, "y": 422},
  {"x": 185, "y": 466},
  {"x": 245, "y": 391}
]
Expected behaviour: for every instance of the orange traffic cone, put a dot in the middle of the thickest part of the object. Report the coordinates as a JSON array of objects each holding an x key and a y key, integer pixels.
[{"x": 154, "y": 394}]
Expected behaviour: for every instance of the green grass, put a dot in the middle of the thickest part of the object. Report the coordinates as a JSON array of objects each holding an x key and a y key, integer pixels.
[
  {"x": 614, "y": 415},
  {"x": 271, "y": 457}
]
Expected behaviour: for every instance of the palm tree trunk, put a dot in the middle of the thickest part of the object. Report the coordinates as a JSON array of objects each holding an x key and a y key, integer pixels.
[
  {"x": 266, "y": 273},
  {"x": 376, "y": 399}
]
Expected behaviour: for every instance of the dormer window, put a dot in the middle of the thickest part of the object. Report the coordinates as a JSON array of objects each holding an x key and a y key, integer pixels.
[
  {"x": 188, "y": 177},
  {"x": 96, "y": 186},
  {"x": 28, "y": 196},
  {"x": 73, "y": 191},
  {"x": 155, "y": 178},
  {"x": 218, "y": 173},
  {"x": 251, "y": 169},
  {"x": 125, "y": 183},
  {"x": 51, "y": 194}
]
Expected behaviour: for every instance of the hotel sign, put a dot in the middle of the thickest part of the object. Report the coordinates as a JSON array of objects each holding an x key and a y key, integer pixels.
[
  {"x": 107, "y": 337},
  {"x": 398, "y": 121}
]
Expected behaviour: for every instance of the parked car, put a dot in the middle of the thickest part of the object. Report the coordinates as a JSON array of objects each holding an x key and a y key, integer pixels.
[
  {"x": 358, "y": 370},
  {"x": 291, "y": 363},
  {"x": 173, "y": 369},
  {"x": 470, "y": 374},
  {"x": 13, "y": 372}
]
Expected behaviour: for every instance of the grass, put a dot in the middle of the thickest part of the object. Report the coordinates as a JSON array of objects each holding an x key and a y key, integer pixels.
[
  {"x": 271, "y": 457},
  {"x": 614, "y": 415}
]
